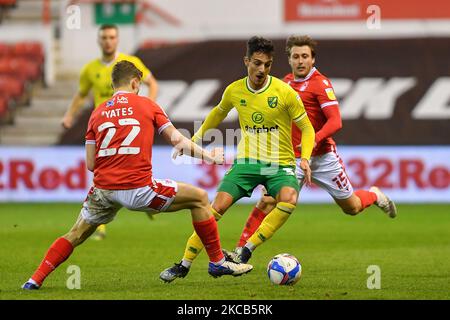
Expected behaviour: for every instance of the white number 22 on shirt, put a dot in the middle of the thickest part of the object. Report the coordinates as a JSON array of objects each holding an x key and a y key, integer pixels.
[{"x": 125, "y": 145}]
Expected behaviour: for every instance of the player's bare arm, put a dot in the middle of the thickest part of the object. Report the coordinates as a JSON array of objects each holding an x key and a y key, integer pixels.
[
  {"x": 180, "y": 142},
  {"x": 153, "y": 87},
  {"x": 90, "y": 156},
  {"x": 213, "y": 119},
  {"x": 73, "y": 110},
  {"x": 308, "y": 136}
]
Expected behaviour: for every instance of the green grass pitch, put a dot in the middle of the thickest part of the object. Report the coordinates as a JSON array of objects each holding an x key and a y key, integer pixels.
[{"x": 335, "y": 250}]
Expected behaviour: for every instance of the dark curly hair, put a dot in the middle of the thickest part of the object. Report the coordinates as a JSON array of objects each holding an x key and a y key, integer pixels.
[{"x": 259, "y": 44}]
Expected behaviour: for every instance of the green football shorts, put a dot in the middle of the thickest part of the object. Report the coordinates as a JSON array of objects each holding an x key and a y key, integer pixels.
[{"x": 246, "y": 174}]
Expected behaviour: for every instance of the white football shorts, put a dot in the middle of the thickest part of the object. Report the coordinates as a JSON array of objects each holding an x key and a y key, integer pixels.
[
  {"x": 328, "y": 172},
  {"x": 101, "y": 206}
]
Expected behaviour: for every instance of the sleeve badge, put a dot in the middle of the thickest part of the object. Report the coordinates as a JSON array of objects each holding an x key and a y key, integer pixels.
[{"x": 330, "y": 93}]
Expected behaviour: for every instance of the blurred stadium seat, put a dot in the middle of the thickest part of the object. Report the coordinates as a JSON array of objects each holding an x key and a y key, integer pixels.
[
  {"x": 29, "y": 50},
  {"x": 5, "y": 50},
  {"x": 24, "y": 69},
  {"x": 21, "y": 66},
  {"x": 11, "y": 87},
  {"x": 8, "y": 2},
  {"x": 3, "y": 105}
]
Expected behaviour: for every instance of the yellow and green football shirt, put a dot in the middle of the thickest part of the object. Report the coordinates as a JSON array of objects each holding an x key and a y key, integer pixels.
[
  {"x": 96, "y": 75},
  {"x": 265, "y": 118}
]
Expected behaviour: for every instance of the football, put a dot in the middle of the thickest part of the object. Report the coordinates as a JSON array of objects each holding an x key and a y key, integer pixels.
[{"x": 284, "y": 269}]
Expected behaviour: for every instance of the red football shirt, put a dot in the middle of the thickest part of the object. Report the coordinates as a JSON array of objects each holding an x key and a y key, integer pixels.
[
  {"x": 317, "y": 93},
  {"x": 122, "y": 129}
]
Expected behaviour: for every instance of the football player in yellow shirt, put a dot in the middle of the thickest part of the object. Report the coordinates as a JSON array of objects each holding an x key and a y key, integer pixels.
[
  {"x": 96, "y": 76},
  {"x": 267, "y": 107}
]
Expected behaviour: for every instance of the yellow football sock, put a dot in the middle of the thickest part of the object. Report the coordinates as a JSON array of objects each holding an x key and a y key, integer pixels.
[
  {"x": 194, "y": 245},
  {"x": 271, "y": 223},
  {"x": 216, "y": 215},
  {"x": 101, "y": 228}
]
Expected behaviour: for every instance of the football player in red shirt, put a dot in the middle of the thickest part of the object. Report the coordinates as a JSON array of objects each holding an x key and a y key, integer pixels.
[
  {"x": 119, "y": 143},
  {"x": 327, "y": 168}
]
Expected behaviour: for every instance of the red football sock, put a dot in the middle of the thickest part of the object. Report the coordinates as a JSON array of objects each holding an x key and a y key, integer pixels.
[
  {"x": 58, "y": 252},
  {"x": 209, "y": 234},
  {"x": 367, "y": 198},
  {"x": 253, "y": 222}
]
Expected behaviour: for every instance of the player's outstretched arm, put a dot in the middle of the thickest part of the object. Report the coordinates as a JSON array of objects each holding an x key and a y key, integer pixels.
[
  {"x": 72, "y": 111},
  {"x": 153, "y": 87},
  {"x": 180, "y": 142},
  {"x": 332, "y": 125},
  {"x": 213, "y": 119},
  {"x": 308, "y": 135},
  {"x": 307, "y": 145},
  {"x": 85, "y": 86}
]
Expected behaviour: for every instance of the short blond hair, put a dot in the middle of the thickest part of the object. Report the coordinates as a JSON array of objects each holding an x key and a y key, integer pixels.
[{"x": 123, "y": 72}]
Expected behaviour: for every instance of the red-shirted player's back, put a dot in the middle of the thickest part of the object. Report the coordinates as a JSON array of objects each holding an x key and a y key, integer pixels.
[
  {"x": 123, "y": 129},
  {"x": 316, "y": 92}
]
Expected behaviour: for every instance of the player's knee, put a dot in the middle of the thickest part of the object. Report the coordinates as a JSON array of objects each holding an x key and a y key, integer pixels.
[
  {"x": 288, "y": 195},
  {"x": 222, "y": 202}
]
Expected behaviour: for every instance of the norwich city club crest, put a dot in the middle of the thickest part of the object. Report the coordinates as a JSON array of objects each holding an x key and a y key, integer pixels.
[{"x": 272, "y": 102}]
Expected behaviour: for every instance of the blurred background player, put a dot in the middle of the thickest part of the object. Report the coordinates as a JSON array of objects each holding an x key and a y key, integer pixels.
[
  {"x": 327, "y": 168},
  {"x": 119, "y": 144},
  {"x": 96, "y": 75},
  {"x": 267, "y": 107}
]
